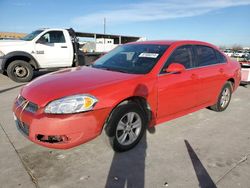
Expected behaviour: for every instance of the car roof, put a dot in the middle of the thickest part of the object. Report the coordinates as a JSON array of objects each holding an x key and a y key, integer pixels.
[{"x": 172, "y": 42}]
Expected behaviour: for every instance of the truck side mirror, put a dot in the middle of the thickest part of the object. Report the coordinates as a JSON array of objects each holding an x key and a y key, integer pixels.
[{"x": 175, "y": 68}]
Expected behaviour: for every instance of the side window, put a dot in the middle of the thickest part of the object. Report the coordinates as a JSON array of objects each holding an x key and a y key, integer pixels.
[
  {"x": 182, "y": 55},
  {"x": 220, "y": 58},
  {"x": 206, "y": 56},
  {"x": 53, "y": 37}
]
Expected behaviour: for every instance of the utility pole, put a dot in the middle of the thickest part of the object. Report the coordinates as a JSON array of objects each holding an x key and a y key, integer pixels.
[
  {"x": 104, "y": 30},
  {"x": 104, "y": 25}
]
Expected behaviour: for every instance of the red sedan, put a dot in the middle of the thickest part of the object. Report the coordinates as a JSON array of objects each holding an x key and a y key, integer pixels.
[{"x": 134, "y": 86}]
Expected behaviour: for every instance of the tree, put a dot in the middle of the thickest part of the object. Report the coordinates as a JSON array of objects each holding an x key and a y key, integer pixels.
[{"x": 237, "y": 47}]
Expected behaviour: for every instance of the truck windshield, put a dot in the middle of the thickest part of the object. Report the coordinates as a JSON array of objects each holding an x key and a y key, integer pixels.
[
  {"x": 132, "y": 58},
  {"x": 32, "y": 35}
]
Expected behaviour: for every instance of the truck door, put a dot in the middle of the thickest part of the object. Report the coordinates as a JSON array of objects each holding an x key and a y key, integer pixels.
[{"x": 53, "y": 49}]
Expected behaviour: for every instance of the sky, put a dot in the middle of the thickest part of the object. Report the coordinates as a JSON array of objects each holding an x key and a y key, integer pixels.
[{"x": 221, "y": 22}]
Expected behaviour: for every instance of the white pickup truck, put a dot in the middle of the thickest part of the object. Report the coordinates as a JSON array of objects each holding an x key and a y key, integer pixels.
[{"x": 45, "y": 49}]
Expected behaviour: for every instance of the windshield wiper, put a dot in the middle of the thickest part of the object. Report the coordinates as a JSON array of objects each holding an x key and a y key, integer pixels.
[
  {"x": 109, "y": 68},
  {"x": 117, "y": 70}
]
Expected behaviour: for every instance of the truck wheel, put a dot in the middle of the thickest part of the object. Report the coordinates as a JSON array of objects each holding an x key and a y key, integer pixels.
[
  {"x": 224, "y": 98},
  {"x": 20, "y": 71},
  {"x": 126, "y": 127}
]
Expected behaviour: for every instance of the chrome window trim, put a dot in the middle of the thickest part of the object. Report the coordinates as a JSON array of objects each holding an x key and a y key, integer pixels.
[{"x": 160, "y": 74}]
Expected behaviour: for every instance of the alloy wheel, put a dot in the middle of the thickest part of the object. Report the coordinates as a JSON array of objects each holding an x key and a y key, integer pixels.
[
  {"x": 225, "y": 97},
  {"x": 128, "y": 128}
]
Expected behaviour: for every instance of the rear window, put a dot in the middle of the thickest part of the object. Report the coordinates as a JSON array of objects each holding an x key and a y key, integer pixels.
[{"x": 206, "y": 56}]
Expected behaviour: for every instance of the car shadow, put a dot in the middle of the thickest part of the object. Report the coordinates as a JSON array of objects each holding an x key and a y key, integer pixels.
[
  {"x": 244, "y": 85},
  {"x": 128, "y": 168},
  {"x": 8, "y": 89},
  {"x": 42, "y": 72},
  {"x": 205, "y": 181}
]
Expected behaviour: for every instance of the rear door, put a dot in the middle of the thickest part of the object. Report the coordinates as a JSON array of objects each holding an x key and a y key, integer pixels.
[
  {"x": 52, "y": 50},
  {"x": 210, "y": 70},
  {"x": 178, "y": 92}
]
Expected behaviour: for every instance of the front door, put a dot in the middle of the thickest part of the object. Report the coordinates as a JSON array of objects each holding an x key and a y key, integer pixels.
[
  {"x": 177, "y": 92},
  {"x": 51, "y": 50}
]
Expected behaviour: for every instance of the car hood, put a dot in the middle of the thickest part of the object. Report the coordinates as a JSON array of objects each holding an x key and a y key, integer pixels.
[
  {"x": 80, "y": 80},
  {"x": 12, "y": 42}
]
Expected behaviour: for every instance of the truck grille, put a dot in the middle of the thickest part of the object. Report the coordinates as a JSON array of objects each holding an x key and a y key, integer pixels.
[{"x": 27, "y": 105}]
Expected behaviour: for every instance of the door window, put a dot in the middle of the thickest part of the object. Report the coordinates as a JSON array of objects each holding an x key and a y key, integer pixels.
[
  {"x": 53, "y": 37},
  {"x": 182, "y": 55},
  {"x": 220, "y": 58},
  {"x": 206, "y": 56}
]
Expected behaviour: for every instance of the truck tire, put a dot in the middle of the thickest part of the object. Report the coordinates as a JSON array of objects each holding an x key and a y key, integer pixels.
[{"x": 20, "y": 71}]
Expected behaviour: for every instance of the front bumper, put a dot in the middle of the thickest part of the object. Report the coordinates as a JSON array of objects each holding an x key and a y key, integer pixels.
[{"x": 75, "y": 129}]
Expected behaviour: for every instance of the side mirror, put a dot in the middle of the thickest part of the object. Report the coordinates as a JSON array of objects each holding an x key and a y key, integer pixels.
[{"x": 175, "y": 68}]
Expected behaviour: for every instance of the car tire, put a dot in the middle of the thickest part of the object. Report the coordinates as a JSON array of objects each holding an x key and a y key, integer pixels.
[
  {"x": 126, "y": 127},
  {"x": 20, "y": 71},
  {"x": 223, "y": 99}
]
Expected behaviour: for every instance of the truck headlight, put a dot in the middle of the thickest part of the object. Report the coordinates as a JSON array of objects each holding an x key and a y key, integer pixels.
[
  {"x": 71, "y": 104},
  {"x": 1, "y": 53}
]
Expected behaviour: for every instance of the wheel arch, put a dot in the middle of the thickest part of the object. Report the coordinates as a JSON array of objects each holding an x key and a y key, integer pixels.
[
  {"x": 232, "y": 82},
  {"x": 140, "y": 101},
  {"x": 19, "y": 55}
]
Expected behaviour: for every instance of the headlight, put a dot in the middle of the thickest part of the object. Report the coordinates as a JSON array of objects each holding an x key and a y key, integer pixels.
[
  {"x": 1, "y": 53},
  {"x": 71, "y": 104}
]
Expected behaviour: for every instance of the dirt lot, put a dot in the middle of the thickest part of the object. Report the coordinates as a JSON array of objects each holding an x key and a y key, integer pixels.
[{"x": 202, "y": 149}]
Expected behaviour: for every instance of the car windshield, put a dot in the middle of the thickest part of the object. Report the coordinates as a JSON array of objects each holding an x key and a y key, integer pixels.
[
  {"x": 32, "y": 35},
  {"x": 131, "y": 58}
]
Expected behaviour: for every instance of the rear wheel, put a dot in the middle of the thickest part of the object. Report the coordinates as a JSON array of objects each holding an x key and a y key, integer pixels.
[
  {"x": 224, "y": 98},
  {"x": 126, "y": 127},
  {"x": 20, "y": 71}
]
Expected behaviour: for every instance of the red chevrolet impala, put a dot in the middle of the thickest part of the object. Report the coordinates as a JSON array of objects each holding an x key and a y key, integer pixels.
[{"x": 134, "y": 86}]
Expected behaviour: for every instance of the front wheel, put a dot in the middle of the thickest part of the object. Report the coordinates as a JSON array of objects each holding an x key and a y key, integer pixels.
[
  {"x": 126, "y": 127},
  {"x": 20, "y": 71},
  {"x": 224, "y": 98}
]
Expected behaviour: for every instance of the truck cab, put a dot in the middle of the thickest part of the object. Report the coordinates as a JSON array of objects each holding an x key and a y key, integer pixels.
[
  {"x": 43, "y": 48},
  {"x": 51, "y": 48}
]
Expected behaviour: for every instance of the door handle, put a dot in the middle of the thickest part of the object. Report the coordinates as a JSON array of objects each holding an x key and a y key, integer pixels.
[
  {"x": 64, "y": 47},
  {"x": 194, "y": 76},
  {"x": 221, "y": 70}
]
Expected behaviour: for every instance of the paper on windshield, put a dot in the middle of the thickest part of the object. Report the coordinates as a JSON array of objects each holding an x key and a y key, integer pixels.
[{"x": 149, "y": 55}]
